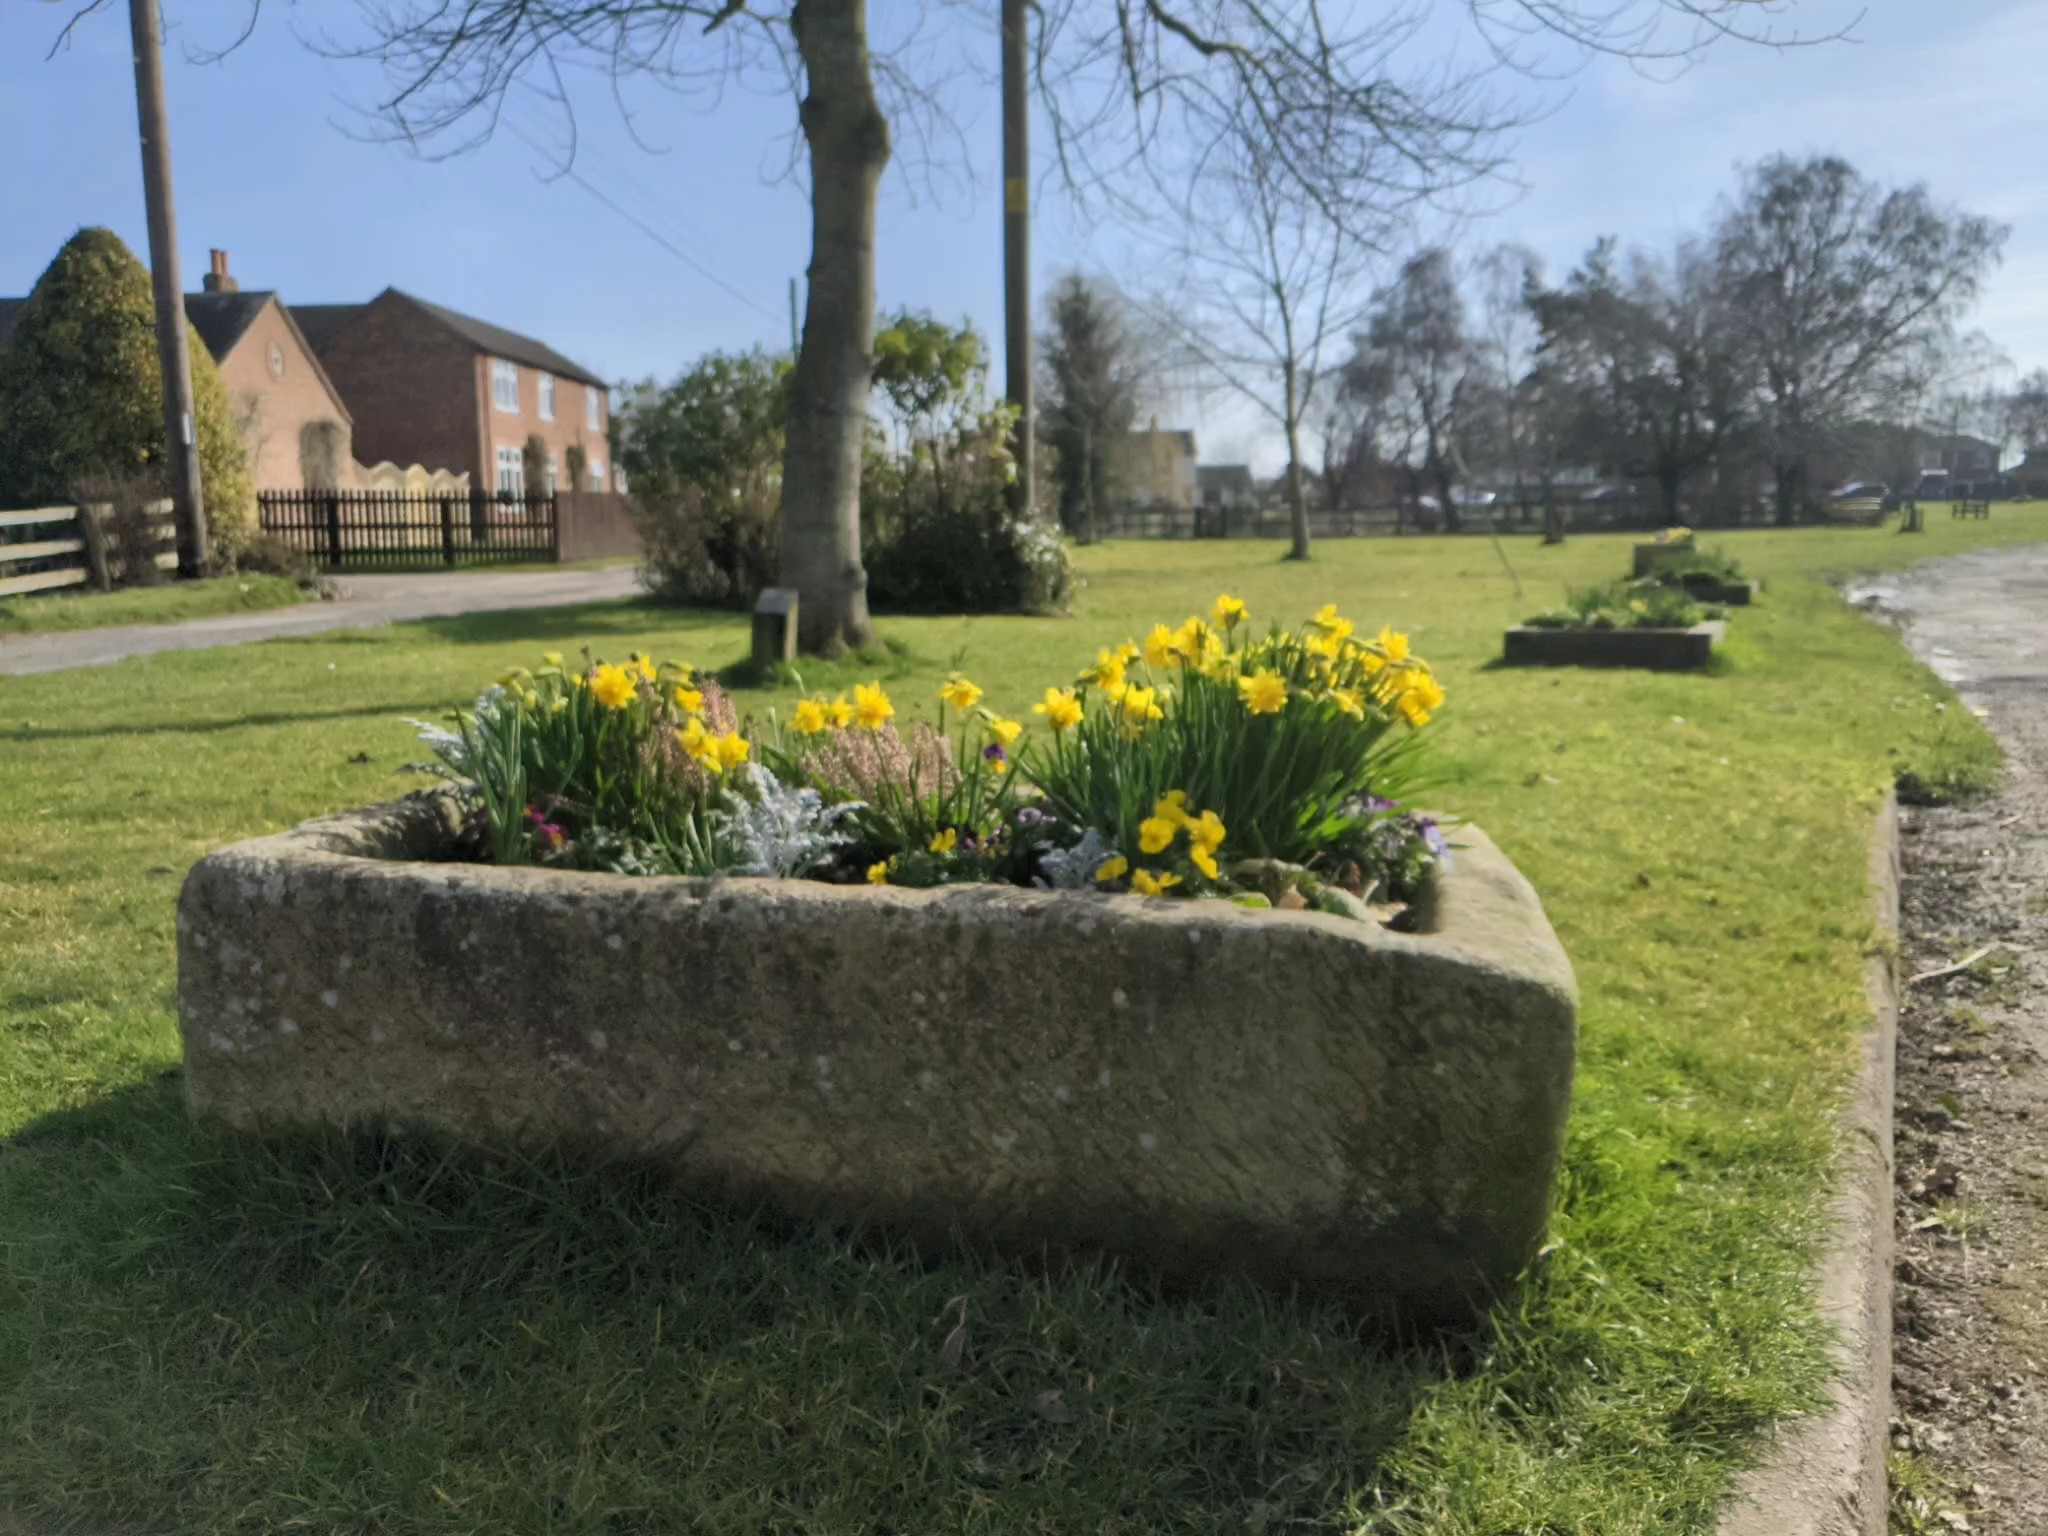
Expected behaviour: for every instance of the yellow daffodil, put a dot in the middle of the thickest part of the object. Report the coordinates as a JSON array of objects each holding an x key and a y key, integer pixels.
[
  {"x": 551, "y": 658},
  {"x": 878, "y": 874},
  {"x": 1393, "y": 646},
  {"x": 960, "y": 693},
  {"x": 1145, "y": 883},
  {"x": 1348, "y": 700},
  {"x": 1231, "y": 611},
  {"x": 946, "y": 841},
  {"x": 840, "y": 713},
  {"x": 732, "y": 749},
  {"x": 1140, "y": 706},
  {"x": 1325, "y": 646},
  {"x": 871, "y": 706},
  {"x": 1061, "y": 709},
  {"x": 614, "y": 687},
  {"x": 1006, "y": 731},
  {"x": 690, "y": 700},
  {"x": 1155, "y": 834},
  {"x": 645, "y": 666},
  {"x": 1422, "y": 696},
  {"x": 1264, "y": 693},
  {"x": 1205, "y": 861},
  {"x": 1112, "y": 869},
  {"x": 698, "y": 742},
  {"x": 809, "y": 717},
  {"x": 1107, "y": 673},
  {"x": 529, "y": 700},
  {"x": 1160, "y": 650}
]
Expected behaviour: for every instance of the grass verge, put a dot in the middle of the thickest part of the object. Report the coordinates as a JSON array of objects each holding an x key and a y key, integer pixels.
[
  {"x": 199, "y": 1335},
  {"x": 172, "y": 603}
]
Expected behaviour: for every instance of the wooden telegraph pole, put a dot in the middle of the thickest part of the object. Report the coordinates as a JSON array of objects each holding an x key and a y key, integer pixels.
[
  {"x": 1017, "y": 252},
  {"x": 180, "y": 422}
]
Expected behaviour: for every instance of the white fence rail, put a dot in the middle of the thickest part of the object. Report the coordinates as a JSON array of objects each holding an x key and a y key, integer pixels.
[{"x": 49, "y": 547}]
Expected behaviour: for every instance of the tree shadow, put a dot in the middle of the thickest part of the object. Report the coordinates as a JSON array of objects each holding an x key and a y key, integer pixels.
[{"x": 394, "y": 709}]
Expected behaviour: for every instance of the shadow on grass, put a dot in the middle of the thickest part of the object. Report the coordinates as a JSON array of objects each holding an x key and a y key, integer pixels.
[
  {"x": 422, "y": 709},
  {"x": 463, "y": 1321},
  {"x": 573, "y": 622}
]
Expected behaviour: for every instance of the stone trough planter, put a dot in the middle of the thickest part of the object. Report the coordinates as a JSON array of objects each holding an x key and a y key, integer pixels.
[
  {"x": 1658, "y": 650},
  {"x": 1301, "y": 1097},
  {"x": 1646, "y": 558},
  {"x": 1723, "y": 594}
]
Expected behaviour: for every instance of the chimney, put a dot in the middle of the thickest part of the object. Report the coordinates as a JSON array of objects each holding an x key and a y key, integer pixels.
[{"x": 218, "y": 280}]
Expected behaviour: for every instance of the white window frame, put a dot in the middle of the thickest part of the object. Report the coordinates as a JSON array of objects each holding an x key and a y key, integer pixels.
[
  {"x": 593, "y": 419},
  {"x": 554, "y": 473},
  {"x": 511, "y": 472},
  {"x": 596, "y": 472},
  {"x": 547, "y": 397},
  {"x": 504, "y": 381}
]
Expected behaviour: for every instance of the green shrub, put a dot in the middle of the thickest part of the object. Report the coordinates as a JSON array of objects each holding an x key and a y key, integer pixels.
[
  {"x": 1645, "y": 604},
  {"x": 81, "y": 392}
]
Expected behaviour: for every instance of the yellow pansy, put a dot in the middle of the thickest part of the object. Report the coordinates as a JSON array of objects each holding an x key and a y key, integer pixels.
[
  {"x": 840, "y": 713},
  {"x": 946, "y": 841},
  {"x": 1264, "y": 693},
  {"x": 614, "y": 687},
  {"x": 960, "y": 693},
  {"x": 1145, "y": 883},
  {"x": 1205, "y": 861},
  {"x": 690, "y": 700},
  {"x": 1206, "y": 832},
  {"x": 1112, "y": 869},
  {"x": 732, "y": 749},
  {"x": 809, "y": 716},
  {"x": 1172, "y": 807},
  {"x": 1155, "y": 834},
  {"x": 1062, "y": 710},
  {"x": 1006, "y": 731},
  {"x": 871, "y": 706},
  {"x": 878, "y": 874},
  {"x": 1231, "y": 611}
]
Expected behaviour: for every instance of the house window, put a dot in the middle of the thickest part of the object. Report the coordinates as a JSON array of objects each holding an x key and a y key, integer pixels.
[
  {"x": 593, "y": 416},
  {"x": 554, "y": 472},
  {"x": 511, "y": 472},
  {"x": 505, "y": 385},
  {"x": 597, "y": 473},
  {"x": 547, "y": 397}
]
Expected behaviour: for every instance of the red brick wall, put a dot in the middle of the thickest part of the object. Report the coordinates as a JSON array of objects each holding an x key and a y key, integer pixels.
[
  {"x": 508, "y": 429},
  {"x": 412, "y": 389},
  {"x": 282, "y": 406}
]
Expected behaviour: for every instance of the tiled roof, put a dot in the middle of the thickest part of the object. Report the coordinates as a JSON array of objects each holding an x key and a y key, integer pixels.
[{"x": 323, "y": 322}]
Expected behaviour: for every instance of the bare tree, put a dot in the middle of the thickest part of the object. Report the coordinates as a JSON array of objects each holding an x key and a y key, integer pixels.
[
  {"x": 1841, "y": 286},
  {"x": 1128, "y": 84},
  {"x": 1507, "y": 336},
  {"x": 1267, "y": 288},
  {"x": 2026, "y": 411},
  {"x": 1416, "y": 348}
]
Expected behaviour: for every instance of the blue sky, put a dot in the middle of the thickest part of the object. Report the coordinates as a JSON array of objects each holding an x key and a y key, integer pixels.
[{"x": 271, "y": 165}]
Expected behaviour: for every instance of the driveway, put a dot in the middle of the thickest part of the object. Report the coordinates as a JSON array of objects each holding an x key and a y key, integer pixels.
[
  {"x": 369, "y": 601},
  {"x": 1970, "y": 1305}
]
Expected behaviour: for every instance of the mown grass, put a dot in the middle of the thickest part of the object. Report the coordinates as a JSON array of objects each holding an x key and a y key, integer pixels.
[
  {"x": 172, "y": 603},
  {"x": 200, "y": 1335}
]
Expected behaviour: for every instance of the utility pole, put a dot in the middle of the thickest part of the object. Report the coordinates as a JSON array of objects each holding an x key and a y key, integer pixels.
[
  {"x": 180, "y": 422},
  {"x": 1017, "y": 252}
]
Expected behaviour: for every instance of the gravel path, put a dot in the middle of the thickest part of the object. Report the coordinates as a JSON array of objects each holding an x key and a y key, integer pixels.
[
  {"x": 1970, "y": 1351},
  {"x": 368, "y": 601}
]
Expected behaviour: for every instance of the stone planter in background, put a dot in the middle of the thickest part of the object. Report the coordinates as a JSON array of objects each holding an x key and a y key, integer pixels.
[
  {"x": 1648, "y": 557},
  {"x": 1192, "y": 1085},
  {"x": 1658, "y": 650}
]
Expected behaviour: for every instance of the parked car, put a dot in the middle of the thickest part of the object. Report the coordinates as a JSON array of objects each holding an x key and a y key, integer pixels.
[{"x": 1859, "y": 490}]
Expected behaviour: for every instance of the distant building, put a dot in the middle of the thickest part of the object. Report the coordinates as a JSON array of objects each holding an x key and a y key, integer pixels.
[
  {"x": 1225, "y": 485},
  {"x": 1962, "y": 456},
  {"x": 1154, "y": 467}
]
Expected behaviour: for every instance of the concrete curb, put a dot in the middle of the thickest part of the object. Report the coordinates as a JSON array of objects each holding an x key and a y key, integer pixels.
[{"x": 1825, "y": 1476}]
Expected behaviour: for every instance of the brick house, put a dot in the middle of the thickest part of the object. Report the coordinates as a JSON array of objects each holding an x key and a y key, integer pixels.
[
  {"x": 1153, "y": 467},
  {"x": 428, "y": 385},
  {"x": 275, "y": 384}
]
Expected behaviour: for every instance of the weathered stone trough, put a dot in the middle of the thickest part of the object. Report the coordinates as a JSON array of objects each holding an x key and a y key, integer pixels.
[
  {"x": 1644, "y": 559},
  {"x": 1658, "y": 650},
  {"x": 1305, "y": 1098}
]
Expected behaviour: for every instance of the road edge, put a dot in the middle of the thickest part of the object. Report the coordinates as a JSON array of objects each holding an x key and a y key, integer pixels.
[{"x": 1825, "y": 1475}]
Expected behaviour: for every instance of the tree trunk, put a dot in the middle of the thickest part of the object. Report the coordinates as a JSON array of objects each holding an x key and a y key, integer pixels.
[
  {"x": 1297, "y": 495},
  {"x": 1668, "y": 478},
  {"x": 1791, "y": 491},
  {"x": 1440, "y": 476},
  {"x": 849, "y": 144}
]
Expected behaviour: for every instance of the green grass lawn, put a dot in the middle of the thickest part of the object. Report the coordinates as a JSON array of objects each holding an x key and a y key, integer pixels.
[
  {"x": 172, "y": 603},
  {"x": 200, "y": 1335}
]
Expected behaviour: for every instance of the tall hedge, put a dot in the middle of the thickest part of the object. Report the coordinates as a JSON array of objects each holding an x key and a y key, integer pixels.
[{"x": 81, "y": 391}]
